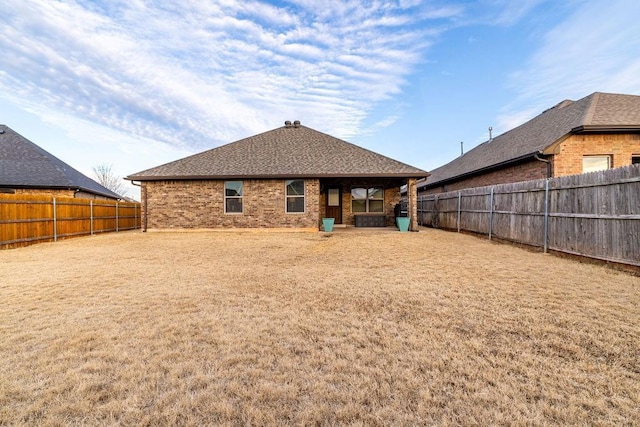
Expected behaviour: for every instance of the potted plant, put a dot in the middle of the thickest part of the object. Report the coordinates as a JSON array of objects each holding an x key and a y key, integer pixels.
[{"x": 327, "y": 224}]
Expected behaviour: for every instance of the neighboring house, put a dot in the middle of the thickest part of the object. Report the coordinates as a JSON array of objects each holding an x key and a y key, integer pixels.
[
  {"x": 27, "y": 168},
  {"x": 289, "y": 177},
  {"x": 600, "y": 131}
]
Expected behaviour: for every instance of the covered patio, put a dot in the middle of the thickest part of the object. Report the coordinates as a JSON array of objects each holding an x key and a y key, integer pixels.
[{"x": 366, "y": 201}]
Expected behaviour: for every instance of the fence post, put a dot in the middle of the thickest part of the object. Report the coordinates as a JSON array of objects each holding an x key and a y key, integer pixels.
[
  {"x": 491, "y": 215},
  {"x": 91, "y": 210},
  {"x": 55, "y": 221},
  {"x": 546, "y": 215},
  {"x": 459, "y": 205},
  {"x": 435, "y": 215},
  {"x": 116, "y": 217},
  {"x": 135, "y": 216}
]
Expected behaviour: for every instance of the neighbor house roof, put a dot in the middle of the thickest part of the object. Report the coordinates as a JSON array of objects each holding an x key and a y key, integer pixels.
[
  {"x": 598, "y": 112},
  {"x": 25, "y": 165},
  {"x": 291, "y": 151}
]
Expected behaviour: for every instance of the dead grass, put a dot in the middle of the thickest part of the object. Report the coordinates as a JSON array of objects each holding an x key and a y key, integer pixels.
[{"x": 364, "y": 328}]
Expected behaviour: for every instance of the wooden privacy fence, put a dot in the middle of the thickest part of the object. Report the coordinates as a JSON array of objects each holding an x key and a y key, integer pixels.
[
  {"x": 595, "y": 215},
  {"x": 26, "y": 219}
]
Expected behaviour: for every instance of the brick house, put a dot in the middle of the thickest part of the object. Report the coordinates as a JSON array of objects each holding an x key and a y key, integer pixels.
[
  {"x": 26, "y": 168},
  {"x": 600, "y": 131},
  {"x": 288, "y": 177}
]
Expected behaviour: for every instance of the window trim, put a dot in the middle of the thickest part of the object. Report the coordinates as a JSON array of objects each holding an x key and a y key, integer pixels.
[
  {"x": 367, "y": 199},
  {"x": 241, "y": 198},
  {"x": 303, "y": 196},
  {"x": 601, "y": 156}
]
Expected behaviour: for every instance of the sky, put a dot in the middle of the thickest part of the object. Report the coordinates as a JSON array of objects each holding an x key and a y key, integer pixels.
[{"x": 135, "y": 84}]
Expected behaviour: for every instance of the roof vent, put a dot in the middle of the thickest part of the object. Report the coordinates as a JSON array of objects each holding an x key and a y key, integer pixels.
[
  {"x": 1, "y": 131},
  {"x": 287, "y": 124},
  {"x": 296, "y": 124}
]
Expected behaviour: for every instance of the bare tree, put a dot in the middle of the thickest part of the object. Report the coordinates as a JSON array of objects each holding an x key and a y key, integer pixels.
[{"x": 108, "y": 179}]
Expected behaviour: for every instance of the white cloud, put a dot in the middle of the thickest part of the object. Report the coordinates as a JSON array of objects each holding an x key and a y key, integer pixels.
[
  {"x": 594, "y": 50},
  {"x": 193, "y": 74}
]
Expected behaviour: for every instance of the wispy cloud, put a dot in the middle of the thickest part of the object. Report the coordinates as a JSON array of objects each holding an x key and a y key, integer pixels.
[
  {"x": 594, "y": 50},
  {"x": 193, "y": 73}
]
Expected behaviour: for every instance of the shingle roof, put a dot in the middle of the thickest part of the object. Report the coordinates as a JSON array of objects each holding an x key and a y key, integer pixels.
[
  {"x": 596, "y": 111},
  {"x": 25, "y": 165},
  {"x": 291, "y": 151}
]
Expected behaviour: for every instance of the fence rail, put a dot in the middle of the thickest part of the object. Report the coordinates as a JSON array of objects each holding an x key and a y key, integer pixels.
[
  {"x": 595, "y": 215},
  {"x": 26, "y": 219}
]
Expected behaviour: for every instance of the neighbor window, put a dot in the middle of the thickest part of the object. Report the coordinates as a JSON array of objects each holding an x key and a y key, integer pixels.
[
  {"x": 595, "y": 163},
  {"x": 295, "y": 195},
  {"x": 367, "y": 199},
  {"x": 635, "y": 159},
  {"x": 233, "y": 197}
]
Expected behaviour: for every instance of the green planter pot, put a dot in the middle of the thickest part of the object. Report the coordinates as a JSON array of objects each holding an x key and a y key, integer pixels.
[
  {"x": 403, "y": 223},
  {"x": 327, "y": 224}
]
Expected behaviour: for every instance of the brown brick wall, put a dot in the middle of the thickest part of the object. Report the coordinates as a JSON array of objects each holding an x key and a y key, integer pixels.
[
  {"x": 568, "y": 159},
  {"x": 522, "y": 172},
  {"x": 200, "y": 204},
  {"x": 59, "y": 193},
  {"x": 46, "y": 192}
]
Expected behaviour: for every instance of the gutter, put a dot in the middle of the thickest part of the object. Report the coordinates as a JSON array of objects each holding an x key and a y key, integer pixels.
[
  {"x": 478, "y": 171},
  {"x": 605, "y": 128}
]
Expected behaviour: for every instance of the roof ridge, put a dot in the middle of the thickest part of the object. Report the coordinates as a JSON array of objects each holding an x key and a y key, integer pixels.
[{"x": 591, "y": 111}]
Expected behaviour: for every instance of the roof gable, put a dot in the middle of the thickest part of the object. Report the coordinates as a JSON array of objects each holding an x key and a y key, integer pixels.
[
  {"x": 598, "y": 110},
  {"x": 25, "y": 165},
  {"x": 289, "y": 151}
]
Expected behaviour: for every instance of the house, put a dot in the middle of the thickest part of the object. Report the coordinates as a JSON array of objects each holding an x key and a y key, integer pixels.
[
  {"x": 27, "y": 168},
  {"x": 288, "y": 177},
  {"x": 600, "y": 131}
]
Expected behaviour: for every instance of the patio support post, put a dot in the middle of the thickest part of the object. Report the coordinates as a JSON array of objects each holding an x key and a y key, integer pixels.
[{"x": 412, "y": 204}]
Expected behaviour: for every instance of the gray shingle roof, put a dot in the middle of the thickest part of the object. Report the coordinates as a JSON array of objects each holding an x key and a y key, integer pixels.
[
  {"x": 25, "y": 165},
  {"x": 598, "y": 110},
  {"x": 285, "y": 152}
]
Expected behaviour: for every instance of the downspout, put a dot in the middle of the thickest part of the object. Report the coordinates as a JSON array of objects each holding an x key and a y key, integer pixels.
[
  {"x": 144, "y": 219},
  {"x": 548, "y": 162}
]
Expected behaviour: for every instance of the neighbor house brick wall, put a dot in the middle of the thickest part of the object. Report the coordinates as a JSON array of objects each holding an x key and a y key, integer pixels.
[
  {"x": 200, "y": 204},
  {"x": 60, "y": 193},
  {"x": 522, "y": 172},
  {"x": 568, "y": 159},
  {"x": 45, "y": 192}
]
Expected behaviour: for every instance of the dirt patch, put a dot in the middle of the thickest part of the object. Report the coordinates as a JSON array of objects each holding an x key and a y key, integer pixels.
[{"x": 365, "y": 327}]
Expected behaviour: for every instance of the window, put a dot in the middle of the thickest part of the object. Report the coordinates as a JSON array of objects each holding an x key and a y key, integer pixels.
[
  {"x": 233, "y": 197},
  {"x": 295, "y": 195},
  {"x": 595, "y": 163},
  {"x": 367, "y": 199},
  {"x": 635, "y": 159}
]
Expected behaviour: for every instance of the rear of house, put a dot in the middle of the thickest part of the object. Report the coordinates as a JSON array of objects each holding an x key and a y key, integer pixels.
[{"x": 289, "y": 177}]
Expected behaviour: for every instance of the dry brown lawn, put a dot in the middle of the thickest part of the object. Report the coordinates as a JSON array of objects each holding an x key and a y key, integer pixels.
[{"x": 362, "y": 327}]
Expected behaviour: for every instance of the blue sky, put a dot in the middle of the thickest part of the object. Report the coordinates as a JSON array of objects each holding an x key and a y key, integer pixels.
[{"x": 137, "y": 83}]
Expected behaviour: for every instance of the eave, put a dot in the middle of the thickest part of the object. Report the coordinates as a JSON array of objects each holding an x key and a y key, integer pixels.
[
  {"x": 273, "y": 176},
  {"x": 479, "y": 171},
  {"x": 606, "y": 129}
]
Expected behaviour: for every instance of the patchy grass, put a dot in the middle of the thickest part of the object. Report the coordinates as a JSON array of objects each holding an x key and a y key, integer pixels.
[{"x": 362, "y": 327}]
